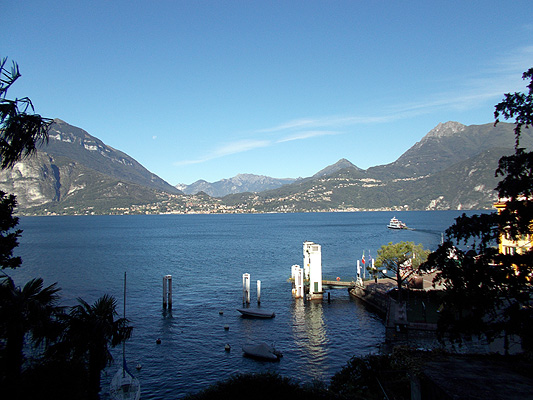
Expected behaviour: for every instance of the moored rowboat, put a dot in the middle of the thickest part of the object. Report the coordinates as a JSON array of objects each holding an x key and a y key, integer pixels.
[
  {"x": 255, "y": 313},
  {"x": 261, "y": 351}
]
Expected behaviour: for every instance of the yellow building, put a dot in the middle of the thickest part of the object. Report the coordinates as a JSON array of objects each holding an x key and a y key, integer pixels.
[{"x": 509, "y": 246}]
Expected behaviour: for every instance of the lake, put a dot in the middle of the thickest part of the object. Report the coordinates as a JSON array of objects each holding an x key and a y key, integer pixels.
[{"x": 206, "y": 256}]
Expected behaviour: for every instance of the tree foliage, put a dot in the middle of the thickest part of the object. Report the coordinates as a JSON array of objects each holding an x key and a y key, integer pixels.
[
  {"x": 487, "y": 293},
  {"x": 517, "y": 106},
  {"x": 33, "y": 323},
  {"x": 90, "y": 330},
  {"x": 402, "y": 259},
  {"x": 80, "y": 338},
  {"x": 516, "y": 186},
  {"x": 9, "y": 235},
  {"x": 27, "y": 312},
  {"x": 262, "y": 386},
  {"x": 21, "y": 130}
]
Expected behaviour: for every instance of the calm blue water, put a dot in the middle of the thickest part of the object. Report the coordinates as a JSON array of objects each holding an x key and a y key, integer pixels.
[{"x": 207, "y": 255}]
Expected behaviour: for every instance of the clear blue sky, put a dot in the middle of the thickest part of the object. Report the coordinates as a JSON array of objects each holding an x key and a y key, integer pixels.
[{"x": 209, "y": 89}]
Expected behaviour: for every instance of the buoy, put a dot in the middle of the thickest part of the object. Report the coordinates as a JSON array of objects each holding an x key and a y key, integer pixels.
[
  {"x": 158, "y": 341},
  {"x": 221, "y": 312},
  {"x": 226, "y": 327},
  {"x": 227, "y": 347},
  {"x": 138, "y": 366},
  {"x": 338, "y": 279}
]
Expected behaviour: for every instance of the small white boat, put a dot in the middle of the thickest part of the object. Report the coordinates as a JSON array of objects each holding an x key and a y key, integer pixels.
[
  {"x": 261, "y": 351},
  {"x": 396, "y": 224},
  {"x": 125, "y": 386},
  {"x": 256, "y": 313}
]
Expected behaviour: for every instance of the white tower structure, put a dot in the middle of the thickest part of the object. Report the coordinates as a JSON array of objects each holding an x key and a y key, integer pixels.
[
  {"x": 313, "y": 264},
  {"x": 297, "y": 276}
]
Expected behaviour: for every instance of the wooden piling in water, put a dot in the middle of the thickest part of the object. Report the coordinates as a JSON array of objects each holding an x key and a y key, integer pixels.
[
  {"x": 246, "y": 288},
  {"x": 167, "y": 291}
]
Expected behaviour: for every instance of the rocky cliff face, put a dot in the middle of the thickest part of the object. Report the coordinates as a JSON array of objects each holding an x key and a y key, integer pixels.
[
  {"x": 34, "y": 181},
  {"x": 76, "y": 144},
  {"x": 72, "y": 162}
]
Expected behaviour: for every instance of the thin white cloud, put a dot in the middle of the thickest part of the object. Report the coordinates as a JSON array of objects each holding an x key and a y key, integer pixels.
[
  {"x": 306, "y": 135},
  {"x": 312, "y": 124},
  {"x": 293, "y": 125},
  {"x": 487, "y": 84},
  {"x": 228, "y": 149},
  {"x": 516, "y": 61},
  {"x": 239, "y": 147}
]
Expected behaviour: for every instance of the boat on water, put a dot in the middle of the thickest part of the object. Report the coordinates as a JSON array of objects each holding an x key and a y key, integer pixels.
[
  {"x": 395, "y": 223},
  {"x": 261, "y": 351},
  {"x": 124, "y": 385},
  {"x": 256, "y": 313}
]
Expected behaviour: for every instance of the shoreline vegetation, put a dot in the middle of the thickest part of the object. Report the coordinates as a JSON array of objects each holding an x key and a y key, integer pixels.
[{"x": 403, "y": 374}]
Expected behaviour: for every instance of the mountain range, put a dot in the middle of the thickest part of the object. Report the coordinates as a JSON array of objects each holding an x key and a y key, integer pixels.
[
  {"x": 238, "y": 184},
  {"x": 452, "y": 167}
]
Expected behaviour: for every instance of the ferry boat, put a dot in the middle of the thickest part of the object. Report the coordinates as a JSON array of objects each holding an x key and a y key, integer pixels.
[{"x": 396, "y": 224}]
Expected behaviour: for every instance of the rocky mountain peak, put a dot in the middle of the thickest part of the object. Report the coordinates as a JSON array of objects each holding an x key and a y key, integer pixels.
[
  {"x": 449, "y": 128},
  {"x": 341, "y": 164}
]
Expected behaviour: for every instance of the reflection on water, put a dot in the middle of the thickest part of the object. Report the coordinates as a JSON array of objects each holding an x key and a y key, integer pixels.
[
  {"x": 310, "y": 334},
  {"x": 167, "y": 325}
]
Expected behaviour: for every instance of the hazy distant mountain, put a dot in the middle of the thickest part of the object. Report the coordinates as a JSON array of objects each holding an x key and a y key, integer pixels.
[
  {"x": 238, "y": 184},
  {"x": 243, "y": 183}
]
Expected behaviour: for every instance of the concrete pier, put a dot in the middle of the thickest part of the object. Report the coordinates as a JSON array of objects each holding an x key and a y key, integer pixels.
[{"x": 374, "y": 294}]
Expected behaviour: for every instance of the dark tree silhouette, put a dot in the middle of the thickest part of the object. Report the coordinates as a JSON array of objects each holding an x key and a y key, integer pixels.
[
  {"x": 32, "y": 312},
  {"x": 8, "y": 233},
  {"x": 27, "y": 313},
  {"x": 90, "y": 330},
  {"x": 517, "y": 106},
  {"x": 21, "y": 130},
  {"x": 516, "y": 187},
  {"x": 487, "y": 293}
]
